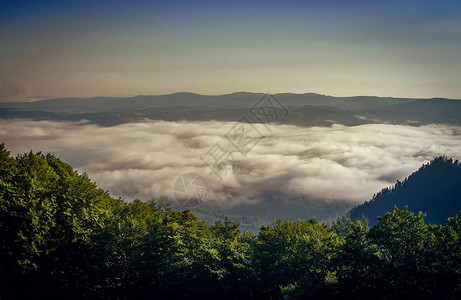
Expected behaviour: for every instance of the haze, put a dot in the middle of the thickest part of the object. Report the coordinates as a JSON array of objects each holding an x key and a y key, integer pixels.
[
  {"x": 97, "y": 48},
  {"x": 336, "y": 164}
]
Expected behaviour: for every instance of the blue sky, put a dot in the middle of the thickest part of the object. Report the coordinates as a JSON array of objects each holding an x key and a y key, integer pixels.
[{"x": 122, "y": 48}]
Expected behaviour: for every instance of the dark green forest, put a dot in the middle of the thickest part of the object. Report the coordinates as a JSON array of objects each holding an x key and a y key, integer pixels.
[
  {"x": 62, "y": 237},
  {"x": 435, "y": 189}
]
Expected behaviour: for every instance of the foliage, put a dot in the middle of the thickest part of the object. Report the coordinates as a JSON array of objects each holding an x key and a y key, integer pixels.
[{"x": 63, "y": 237}]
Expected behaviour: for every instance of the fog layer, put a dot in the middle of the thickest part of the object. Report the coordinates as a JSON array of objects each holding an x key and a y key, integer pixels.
[{"x": 143, "y": 160}]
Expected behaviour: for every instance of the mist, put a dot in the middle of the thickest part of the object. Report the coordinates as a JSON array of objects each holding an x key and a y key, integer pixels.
[{"x": 323, "y": 164}]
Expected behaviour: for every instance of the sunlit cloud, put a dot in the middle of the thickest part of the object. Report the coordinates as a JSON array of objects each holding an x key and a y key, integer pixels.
[{"x": 323, "y": 164}]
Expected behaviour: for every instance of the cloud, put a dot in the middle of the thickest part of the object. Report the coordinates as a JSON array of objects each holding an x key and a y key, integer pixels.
[{"x": 323, "y": 164}]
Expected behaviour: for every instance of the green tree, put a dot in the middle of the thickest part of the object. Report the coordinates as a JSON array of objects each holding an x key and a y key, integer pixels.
[
  {"x": 293, "y": 258},
  {"x": 235, "y": 252},
  {"x": 402, "y": 239},
  {"x": 48, "y": 213},
  {"x": 356, "y": 261}
]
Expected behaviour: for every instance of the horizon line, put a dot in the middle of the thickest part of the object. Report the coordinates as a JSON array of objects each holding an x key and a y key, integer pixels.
[{"x": 38, "y": 99}]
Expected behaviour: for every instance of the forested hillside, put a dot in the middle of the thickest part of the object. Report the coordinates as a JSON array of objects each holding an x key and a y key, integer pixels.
[
  {"x": 61, "y": 237},
  {"x": 435, "y": 189}
]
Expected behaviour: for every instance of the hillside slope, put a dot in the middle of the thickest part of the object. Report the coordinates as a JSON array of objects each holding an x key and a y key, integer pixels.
[{"x": 434, "y": 189}]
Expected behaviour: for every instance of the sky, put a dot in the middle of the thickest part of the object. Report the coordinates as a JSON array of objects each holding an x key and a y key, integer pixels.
[{"x": 123, "y": 48}]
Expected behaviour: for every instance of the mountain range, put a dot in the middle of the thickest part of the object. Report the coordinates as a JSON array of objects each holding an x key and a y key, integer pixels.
[{"x": 304, "y": 109}]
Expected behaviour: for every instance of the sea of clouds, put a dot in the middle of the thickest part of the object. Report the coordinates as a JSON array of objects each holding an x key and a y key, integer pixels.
[{"x": 327, "y": 164}]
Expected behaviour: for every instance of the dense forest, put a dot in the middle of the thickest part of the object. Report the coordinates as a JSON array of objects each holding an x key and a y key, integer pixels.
[
  {"x": 435, "y": 189},
  {"x": 62, "y": 237}
]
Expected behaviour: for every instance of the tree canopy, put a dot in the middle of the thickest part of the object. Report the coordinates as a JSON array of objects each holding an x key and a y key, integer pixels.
[{"x": 63, "y": 237}]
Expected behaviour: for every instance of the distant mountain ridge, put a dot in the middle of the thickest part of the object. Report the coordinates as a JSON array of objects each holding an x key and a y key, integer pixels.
[
  {"x": 238, "y": 99},
  {"x": 434, "y": 189},
  {"x": 306, "y": 109}
]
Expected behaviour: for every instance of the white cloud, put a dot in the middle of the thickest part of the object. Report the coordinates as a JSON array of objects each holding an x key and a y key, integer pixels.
[{"x": 143, "y": 160}]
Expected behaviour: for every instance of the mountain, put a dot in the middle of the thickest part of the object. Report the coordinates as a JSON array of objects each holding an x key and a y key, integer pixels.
[
  {"x": 308, "y": 109},
  {"x": 434, "y": 189}
]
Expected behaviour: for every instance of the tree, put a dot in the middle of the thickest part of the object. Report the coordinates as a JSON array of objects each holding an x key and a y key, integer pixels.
[
  {"x": 293, "y": 258},
  {"x": 356, "y": 260},
  {"x": 402, "y": 239},
  {"x": 48, "y": 213}
]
